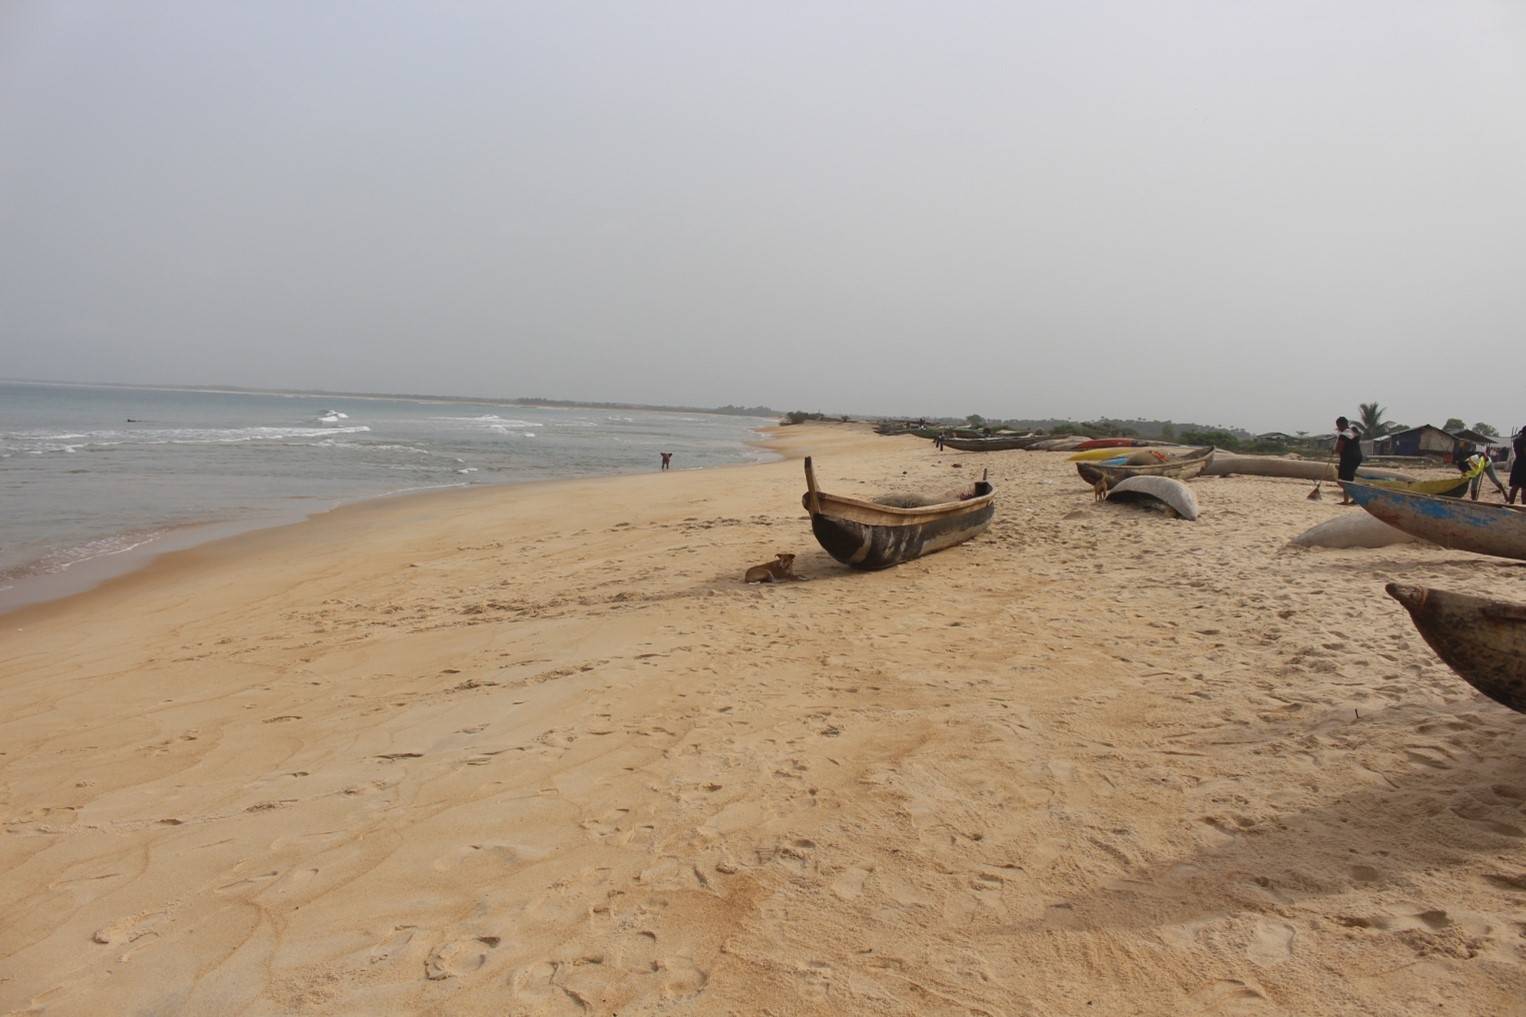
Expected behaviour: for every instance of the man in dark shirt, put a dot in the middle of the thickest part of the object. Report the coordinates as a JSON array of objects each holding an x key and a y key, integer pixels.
[{"x": 1348, "y": 447}]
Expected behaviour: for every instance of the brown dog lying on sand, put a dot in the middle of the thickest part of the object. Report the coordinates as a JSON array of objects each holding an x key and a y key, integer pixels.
[{"x": 772, "y": 572}]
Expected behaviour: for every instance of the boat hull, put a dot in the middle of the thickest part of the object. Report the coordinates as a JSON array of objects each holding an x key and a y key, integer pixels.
[
  {"x": 872, "y": 535},
  {"x": 1109, "y": 443},
  {"x": 1166, "y": 491},
  {"x": 872, "y": 547},
  {"x": 991, "y": 444},
  {"x": 1483, "y": 640},
  {"x": 1224, "y": 464},
  {"x": 1185, "y": 468},
  {"x": 1449, "y": 487},
  {"x": 1451, "y": 522}
]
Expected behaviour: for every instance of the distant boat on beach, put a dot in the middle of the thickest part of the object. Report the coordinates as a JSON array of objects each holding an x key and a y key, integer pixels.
[{"x": 996, "y": 443}]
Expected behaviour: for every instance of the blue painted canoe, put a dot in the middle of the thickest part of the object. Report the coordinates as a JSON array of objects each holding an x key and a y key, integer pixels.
[{"x": 1451, "y": 522}]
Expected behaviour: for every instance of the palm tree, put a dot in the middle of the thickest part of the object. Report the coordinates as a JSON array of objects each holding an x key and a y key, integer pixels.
[{"x": 1370, "y": 418}]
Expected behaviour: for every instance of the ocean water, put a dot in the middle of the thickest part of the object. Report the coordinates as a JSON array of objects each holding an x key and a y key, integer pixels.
[{"x": 94, "y": 477}]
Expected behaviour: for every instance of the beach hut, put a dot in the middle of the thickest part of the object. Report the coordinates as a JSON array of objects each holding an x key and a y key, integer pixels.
[{"x": 1424, "y": 440}]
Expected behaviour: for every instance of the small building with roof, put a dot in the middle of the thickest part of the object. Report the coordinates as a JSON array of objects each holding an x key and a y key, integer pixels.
[{"x": 1425, "y": 440}]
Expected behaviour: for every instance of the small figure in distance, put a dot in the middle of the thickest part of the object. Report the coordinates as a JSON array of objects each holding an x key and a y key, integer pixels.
[
  {"x": 1348, "y": 446},
  {"x": 667, "y": 459},
  {"x": 775, "y": 571}
]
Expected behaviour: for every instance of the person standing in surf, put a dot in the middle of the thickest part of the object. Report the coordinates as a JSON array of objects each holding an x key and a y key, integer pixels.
[
  {"x": 667, "y": 459},
  {"x": 1348, "y": 447}
]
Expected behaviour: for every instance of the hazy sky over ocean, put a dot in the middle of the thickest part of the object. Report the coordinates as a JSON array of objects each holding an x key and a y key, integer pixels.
[{"x": 1251, "y": 213}]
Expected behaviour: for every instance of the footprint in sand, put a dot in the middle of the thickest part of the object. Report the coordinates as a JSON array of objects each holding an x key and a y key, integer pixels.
[
  {"x": 505, "y": 855},
  {"x": 131, "y": 929},
  {"x": 850, "y": 883},
  {"x": 397, "y": 940},
  {"x": 1271, "y": 943},
  {"x": 248, "y": 883},
  {"x": 1228, "y": 996},
  {"x": 459, "y": 957}
]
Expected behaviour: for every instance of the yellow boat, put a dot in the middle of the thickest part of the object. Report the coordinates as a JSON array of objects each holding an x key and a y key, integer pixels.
[
  {"x": 1092, "y": 455},
  {"x": 1446, "y": 487}
]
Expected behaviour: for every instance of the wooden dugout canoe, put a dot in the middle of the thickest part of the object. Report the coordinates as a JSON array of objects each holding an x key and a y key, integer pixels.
[
  {"x": 1100, "y": 454},
  {"x": 1224, "y": 464},
  {"x": 996, "y": 444},
  {"x": 869, "y": 535},
  {"x": 1092, "y": 443},
  {"x": 1181, "y": 468},
  {"x": 1451, "y": 522},
  {"x": 1483, "y": 640}
]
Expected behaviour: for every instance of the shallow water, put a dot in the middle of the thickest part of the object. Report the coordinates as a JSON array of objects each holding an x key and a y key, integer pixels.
[{"x": 93, "y": 473}]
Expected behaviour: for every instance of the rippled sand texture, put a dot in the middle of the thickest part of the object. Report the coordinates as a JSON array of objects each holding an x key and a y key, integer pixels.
[{"x": 538, "y": 751}]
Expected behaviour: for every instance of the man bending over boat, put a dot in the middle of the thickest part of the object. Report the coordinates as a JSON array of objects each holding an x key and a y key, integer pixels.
[{"x": 1476, "y": 466}]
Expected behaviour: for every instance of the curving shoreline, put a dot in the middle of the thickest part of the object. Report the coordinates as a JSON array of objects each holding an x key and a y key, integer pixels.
[{"x": 505, "y": 749}]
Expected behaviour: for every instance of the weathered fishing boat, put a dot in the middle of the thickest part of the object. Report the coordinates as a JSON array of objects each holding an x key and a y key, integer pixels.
[
  {"x": 1483, "y": 640},
  {"x": 1091, "y": 443},
  {"x": 873, "y": 535},
  {"x": 994, "y": 444},
  {"x": 1359, "y": 530},
  {"x": 1446, "y": 487},
  {"x": 1171, "y": 496},
  {"x": 1224, "y": 464},
  {"x": 1183, "y": 467},
  {"x": 1451, "y": 522},
  {"x": 1066, "y": 443},
  {"x": 1096, "y": 455}
]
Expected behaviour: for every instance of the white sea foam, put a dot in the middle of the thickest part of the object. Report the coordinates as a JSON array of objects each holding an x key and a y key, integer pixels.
[
  {"x": 492, "y": 421},
  {"x": 41, "y": 442}
]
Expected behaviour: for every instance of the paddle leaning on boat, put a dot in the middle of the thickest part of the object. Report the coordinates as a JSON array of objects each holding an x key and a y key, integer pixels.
[{"x": 877, "y": 534}]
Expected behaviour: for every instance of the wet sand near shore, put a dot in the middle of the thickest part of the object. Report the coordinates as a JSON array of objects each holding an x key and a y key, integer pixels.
[{"x": 537, "y": 750}]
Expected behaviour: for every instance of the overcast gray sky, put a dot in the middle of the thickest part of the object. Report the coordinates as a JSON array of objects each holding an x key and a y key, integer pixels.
[{"x": 1252, "y": 213}]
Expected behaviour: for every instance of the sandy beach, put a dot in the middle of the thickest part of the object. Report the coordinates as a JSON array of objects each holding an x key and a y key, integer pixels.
[{"x": 537, "y": 750}]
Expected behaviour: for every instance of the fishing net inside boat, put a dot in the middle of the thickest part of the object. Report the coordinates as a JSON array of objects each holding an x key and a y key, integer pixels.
[
  {"x": 923, "y": 500},
  {"x": 905, "y": 500}
]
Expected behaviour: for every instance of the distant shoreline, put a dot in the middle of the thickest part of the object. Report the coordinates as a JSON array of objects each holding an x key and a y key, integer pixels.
[{"x": 415, "y": 397}]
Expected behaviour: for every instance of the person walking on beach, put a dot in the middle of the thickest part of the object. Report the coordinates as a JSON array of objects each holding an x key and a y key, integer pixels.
[
  {"x": 1518, "y": 468},
  {"x": 1348, "y": 446},
  {"x": 667, "y": 459},
  {"x": 1476, "y": 466}
]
